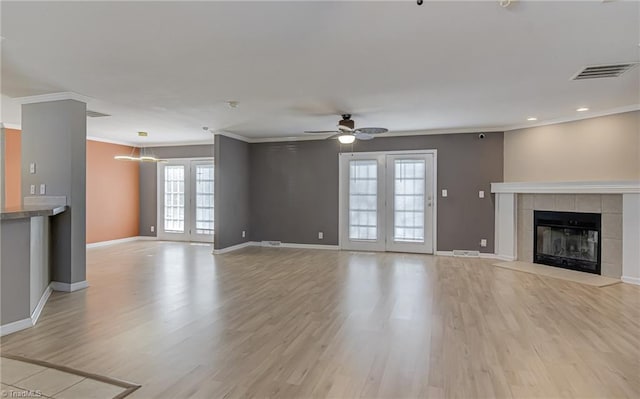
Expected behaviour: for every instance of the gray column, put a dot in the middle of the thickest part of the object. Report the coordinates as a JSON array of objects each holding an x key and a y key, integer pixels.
[{"x": 54, "y": 136}]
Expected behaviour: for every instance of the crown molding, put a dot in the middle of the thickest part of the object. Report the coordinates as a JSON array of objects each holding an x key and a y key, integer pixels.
[
  {"x": 176, "y": 144},
  {"x": 575, "y": 118},
  {"x": 67, "y": 95},
  {"x": 14, "y": 126},
  {"x": 390, "y": 134},
  {"x": 110, "y": 141},
  {"x": 233, "y": 136}
]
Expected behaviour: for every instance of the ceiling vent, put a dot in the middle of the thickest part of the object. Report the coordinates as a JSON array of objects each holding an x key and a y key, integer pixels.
[
  {"x": 96, "y": 114},
  {"x": 604, "y": 71}
]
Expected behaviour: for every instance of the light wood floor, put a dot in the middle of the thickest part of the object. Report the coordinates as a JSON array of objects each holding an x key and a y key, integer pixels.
[{"x": 265, "y": 322}]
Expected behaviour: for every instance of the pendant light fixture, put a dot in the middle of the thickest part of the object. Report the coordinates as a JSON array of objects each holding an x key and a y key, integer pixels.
[{"x": 145, "y": 154}]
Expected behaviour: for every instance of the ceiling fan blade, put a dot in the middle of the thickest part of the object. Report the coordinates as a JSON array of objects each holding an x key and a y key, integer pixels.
[
  {"x": 320, "y": 131},
  {"x": 363, "y": 136},
  {"x": 372, "y": 130}
]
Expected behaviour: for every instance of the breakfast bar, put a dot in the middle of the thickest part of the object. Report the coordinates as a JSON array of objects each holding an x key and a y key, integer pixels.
[{"x": 25, "y": 237}]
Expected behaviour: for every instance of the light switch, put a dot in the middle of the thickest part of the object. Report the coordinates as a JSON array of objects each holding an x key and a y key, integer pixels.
[
  {"x": 32, "y": 168},
  {"x": 42, "y": 189},
  {"x": 444, "y": 193},
  {"x": 32, "y": 189},
  {"x": 481, "y": 193}
]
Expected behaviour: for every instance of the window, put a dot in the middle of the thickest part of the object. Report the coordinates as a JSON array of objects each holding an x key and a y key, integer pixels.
[
  {"x": 174, "y": 198},
  {"x": 363, "y": 200},
  {"x": 409, "y": 179},
  {"x": 204, "y": 199}
]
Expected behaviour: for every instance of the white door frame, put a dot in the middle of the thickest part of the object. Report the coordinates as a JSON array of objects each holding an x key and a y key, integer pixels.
[
  {"x": 186, "y": 236},
  {"x": 342, "y": 202}
]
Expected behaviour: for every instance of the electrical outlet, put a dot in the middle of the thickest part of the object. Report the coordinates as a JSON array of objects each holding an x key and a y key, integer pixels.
[
  {"x": 32, "y": 168},
  {"x": 43, "y": 189},
  {"x": 483, "y": 242},
  {"x": 320, "y": 235},
  {"x": 444, "y": 193},
  {"x": 32, "y": 189},
  {"x": 244, "y": 234},
  {"x": 153, "y": 229},
  {"x": 481, "y": 194}
]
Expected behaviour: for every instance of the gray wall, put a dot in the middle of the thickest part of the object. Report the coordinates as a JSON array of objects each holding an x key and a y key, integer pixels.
[
  {"x": 54, "y": 136},
  {"x": 294, "y": 187},
  {"x": 232, "y": 191},
  {"x": 149, "y": 180},
  {"x": 14, "y": 258}
]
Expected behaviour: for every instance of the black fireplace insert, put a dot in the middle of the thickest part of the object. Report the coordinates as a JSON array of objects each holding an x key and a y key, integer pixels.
[{"x": 567, "y": 239}]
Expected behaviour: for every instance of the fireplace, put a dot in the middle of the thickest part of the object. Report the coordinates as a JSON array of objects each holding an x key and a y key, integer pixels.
[{"x": 567, "y": 239}]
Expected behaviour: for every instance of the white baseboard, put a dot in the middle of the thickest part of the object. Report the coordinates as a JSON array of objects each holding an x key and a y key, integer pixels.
[
  {"x": 480, "y": 255},
  {"x": 234, "y": 248},
  {"x": 43, "y": 300},
  {"x": 66, "y": 287},
  {"x": 29, "y": 322},
  {"x": 273, "y": 244},
  {"x": 118, "y": 241},
  {"x": 630, "y": 280},
  {"x": 302, "y": 246},
  {"x": 10, "y": 328}
]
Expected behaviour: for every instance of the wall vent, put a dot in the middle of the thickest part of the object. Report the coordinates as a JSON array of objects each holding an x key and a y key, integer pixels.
[
  {"x": 603, "y": 71},
  {"x": 96, "y": 114},
  {"x": 466, "y": 253}
]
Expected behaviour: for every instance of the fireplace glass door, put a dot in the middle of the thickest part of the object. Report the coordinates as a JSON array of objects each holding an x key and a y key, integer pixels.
[
  {"x": 576, "y": 244},
  {"x": 569, "y": 240}
]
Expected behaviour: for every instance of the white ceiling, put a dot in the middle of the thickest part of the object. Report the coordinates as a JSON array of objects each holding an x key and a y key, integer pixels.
[{"x": 168, "y": 67}]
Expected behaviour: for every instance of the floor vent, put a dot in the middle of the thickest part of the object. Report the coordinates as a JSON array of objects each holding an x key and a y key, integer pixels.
[
  {"x": 271, "y": 243},
  {"x": 96, "y": 114},
  {"x": 603, "y": 71},
  {"x": 466, "y": 254}
]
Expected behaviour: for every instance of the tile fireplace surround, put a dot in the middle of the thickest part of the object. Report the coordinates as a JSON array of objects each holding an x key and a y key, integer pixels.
[{"x": 618, "y": 202}]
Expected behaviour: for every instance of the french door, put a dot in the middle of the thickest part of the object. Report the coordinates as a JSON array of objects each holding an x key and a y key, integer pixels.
[
  {"x": 186, "y": 200},
  {"x": 387, "y": 201}
]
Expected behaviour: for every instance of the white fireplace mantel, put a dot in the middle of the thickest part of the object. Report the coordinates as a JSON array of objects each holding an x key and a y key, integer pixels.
[
  {"x": 597, "y": 187},
  {"x": 506, "y": 209}
]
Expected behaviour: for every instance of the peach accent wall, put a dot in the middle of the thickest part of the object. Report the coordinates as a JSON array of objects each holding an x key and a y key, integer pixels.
[
  {"x": 113, "y": 193},
  {"x": 12, "y": 188}
]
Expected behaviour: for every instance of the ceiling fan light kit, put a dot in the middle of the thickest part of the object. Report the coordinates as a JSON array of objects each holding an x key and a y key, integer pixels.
[
  {"x": 347, "y": 133},
  {"x": 346, "y": 138}
]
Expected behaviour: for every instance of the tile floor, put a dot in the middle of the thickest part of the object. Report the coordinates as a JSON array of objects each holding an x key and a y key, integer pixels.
[{"x": 24, "y": 380}]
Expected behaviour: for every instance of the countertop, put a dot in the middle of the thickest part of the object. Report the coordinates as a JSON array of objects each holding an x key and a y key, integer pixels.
[{"x": 31, "y": 211}]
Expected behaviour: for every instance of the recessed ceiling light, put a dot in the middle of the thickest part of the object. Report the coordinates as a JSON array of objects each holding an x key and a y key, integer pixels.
[
  {"x": 532, "y": 118},
  {"x": 143, "y": 134},
  {"x": 233, "y": 104},
  {"x": 582, "y": 109}
]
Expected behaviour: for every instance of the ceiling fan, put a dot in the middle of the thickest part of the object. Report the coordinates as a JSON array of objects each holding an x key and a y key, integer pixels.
[{"x": 347, "y": 133}]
